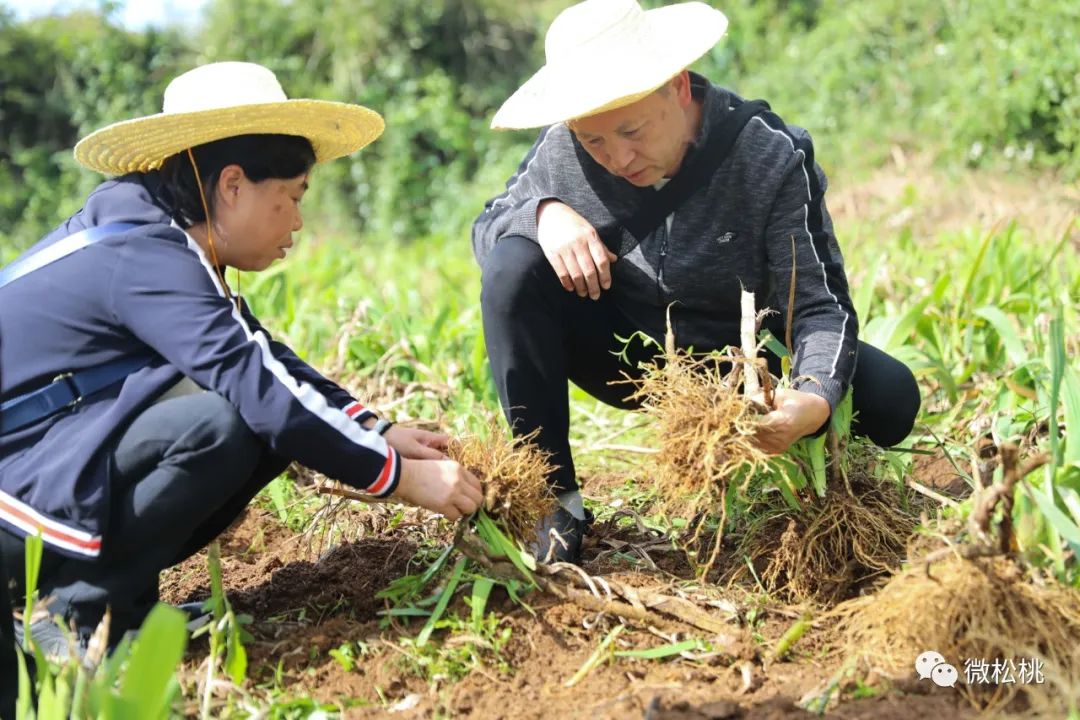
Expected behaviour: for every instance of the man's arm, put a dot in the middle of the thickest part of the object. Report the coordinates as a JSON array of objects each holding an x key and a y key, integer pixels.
[
  {"x": 824, "y": 326},
  {"x": 532, "y": 207},
  {"x": 514, "y": 211}
]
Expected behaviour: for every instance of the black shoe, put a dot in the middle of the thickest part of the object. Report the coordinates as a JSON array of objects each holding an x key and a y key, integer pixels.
[{"x": 559, "y": 536}]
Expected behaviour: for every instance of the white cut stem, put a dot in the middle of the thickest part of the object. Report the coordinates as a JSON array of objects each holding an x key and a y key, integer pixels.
[{"x": 751, "y": 386}]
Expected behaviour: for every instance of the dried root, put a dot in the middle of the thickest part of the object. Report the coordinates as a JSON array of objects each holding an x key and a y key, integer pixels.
[
  {"x": 706, "y": 429},
  {"x": 829, "y": 551},
  {"x": 515, "y": 477},
  {"x": 973, "y": 610}
]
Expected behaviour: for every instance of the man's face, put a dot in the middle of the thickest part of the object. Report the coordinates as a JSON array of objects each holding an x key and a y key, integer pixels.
[{"x": 644, "y": 141}]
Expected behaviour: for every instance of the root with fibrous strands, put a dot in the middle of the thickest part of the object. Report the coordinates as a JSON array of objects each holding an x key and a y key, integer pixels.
[
  {"x": 972, "y": 610},
  {"x": 827, "y": 552},
  {"x": 975, "y": 602},
  {"x": 706, "y": 429},
  {"x": 514, "y": 473}
]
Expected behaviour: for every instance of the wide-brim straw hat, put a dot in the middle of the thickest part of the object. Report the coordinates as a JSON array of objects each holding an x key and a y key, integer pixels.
[
  {"x": 604, "y": 54},
  {"x": 221, "y": 100}
]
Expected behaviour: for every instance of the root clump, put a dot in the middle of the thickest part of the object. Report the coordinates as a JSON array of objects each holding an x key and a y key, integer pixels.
[
  {"x": 971, "y": 611},
  {"x": 514, "y": 473},
  {"x": 706, "y": 429},
  {"x": 833, "y": 549}
]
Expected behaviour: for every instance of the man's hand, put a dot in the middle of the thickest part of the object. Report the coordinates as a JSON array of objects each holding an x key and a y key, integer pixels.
[
  {"x": 795, "y": 415},
  {"x": 442, "y": 486},
  {"x": 417, "y": 444},
  {"x": 575, "y": 251}
]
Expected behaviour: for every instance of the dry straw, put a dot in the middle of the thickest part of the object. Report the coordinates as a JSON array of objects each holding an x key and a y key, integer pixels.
[{"x": 514, "y": 473}]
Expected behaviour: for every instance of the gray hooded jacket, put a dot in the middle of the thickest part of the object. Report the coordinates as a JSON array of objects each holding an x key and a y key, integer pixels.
[{"x": 766, "y": 197}]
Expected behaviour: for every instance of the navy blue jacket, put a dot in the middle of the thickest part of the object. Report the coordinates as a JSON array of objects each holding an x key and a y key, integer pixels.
[{"x": 151, "y": 290}]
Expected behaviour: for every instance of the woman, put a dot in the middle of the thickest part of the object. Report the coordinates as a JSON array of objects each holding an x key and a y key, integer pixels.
[{"x": 143, "y": 405}]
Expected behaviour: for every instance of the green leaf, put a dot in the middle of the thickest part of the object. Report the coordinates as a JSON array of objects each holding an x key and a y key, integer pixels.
[
  {"x": 481, "y": 591},
  {"x": 502, "y": 546},
  {"x": 1057, "y": 376},
  {"x": 48, "y": 704},
  {"x": 864, "y": 294},
  {"x": 775, "y": 346},
  {"x": 279, "y": 497},
  {"x": 236, "y": 655},
  {"x": 1057, "y": 519},
  {"x": 597, "y": 657},
  {"x": 24, "y": 710},
  {"x": 841, "y": 417},
  {"x": 661, "y": 651},
  {"x": 158, "y": 650},
  {"x": 1070, "y": 397},
  {"x": 444, "y": 600},
  {"x": 1014, "y": 346},
  {"x": 33, "y": 552},
  {"x": 408, "y": 586}
]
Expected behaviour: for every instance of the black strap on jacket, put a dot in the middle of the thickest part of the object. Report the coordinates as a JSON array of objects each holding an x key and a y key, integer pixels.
[{"x": 695, "y": 175}]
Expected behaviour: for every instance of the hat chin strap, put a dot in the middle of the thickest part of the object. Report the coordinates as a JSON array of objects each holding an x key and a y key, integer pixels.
[{"x": 210, "y": 234}]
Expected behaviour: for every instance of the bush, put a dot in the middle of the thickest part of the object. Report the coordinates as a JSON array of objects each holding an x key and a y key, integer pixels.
[{"x": 964, "y": 80}]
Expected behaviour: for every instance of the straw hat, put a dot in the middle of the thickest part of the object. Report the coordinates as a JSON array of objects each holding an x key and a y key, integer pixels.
[
  {"x": 223, "y": 100},
  {"x": 604, "y": 54}
]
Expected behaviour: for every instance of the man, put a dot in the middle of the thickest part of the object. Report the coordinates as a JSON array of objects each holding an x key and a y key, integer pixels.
[{"x": 568, "y": 268}]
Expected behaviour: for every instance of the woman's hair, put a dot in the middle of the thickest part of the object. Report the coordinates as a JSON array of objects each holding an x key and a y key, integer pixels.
[{"x": 261, "y": 156}]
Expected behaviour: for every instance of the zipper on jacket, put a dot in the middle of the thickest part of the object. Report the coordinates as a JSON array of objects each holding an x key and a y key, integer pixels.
[{"x": 665, "y": 228}]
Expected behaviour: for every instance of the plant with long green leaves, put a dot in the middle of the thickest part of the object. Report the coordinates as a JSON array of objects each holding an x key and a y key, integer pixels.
[{"x": 136, "y": 681}]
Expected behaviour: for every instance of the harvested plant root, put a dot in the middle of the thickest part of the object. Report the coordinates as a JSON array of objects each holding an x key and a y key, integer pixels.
[
  {"x": 515, "y": 477},
  {"x": 827, "y": 552},
  {"x": 981, "y": 610},
  {"x": 706, "y": 430}
]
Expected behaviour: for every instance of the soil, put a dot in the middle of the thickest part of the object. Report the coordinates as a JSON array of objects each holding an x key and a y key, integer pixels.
[
  {"x": 938, "y": 473},
  {"x": 306, "y": 604}
]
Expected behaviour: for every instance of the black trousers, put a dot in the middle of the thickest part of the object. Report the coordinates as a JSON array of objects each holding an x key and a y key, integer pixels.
[
  {"x": 539, "y": 336},
  {"x": 185, "y": 469}
]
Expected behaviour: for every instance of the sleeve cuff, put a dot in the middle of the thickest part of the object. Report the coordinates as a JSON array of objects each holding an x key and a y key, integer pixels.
[
  {"x": 358, "y": 412},
  {"x": 389, "y": 477},
  {"x": 831, "y": 390}
]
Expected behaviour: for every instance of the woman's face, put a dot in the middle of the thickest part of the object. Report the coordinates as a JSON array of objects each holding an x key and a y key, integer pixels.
[{"x": 254, "y": 221}]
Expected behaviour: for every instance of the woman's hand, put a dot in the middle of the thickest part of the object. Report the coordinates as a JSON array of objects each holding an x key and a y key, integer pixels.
[
  {"x": 796, "y": 414},
  {"x": 442, "y": 486},
  {"x": 417, "y": 444}
]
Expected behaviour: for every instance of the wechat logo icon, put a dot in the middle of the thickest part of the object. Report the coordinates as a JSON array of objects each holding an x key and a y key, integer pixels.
[{"x": 931, "y": 665}]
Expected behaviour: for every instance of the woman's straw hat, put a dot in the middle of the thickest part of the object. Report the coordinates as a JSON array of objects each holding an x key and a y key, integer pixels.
[
  {"x": 604, "y": 54},
  {"x": 223, "y": 100}
]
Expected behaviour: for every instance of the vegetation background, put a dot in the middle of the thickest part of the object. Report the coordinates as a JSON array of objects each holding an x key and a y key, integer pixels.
[{"x": 968, "y": 82}]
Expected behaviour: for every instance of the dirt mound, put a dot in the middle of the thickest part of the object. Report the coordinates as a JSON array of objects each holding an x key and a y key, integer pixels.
[
  {"x": 348, "y": 575},
  {"x": 268, "y": 569},
  {"x": 316, "y": 634}
]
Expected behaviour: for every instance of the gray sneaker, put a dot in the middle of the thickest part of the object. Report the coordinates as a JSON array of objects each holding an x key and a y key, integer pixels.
[{"x": 54, "y": 643}]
